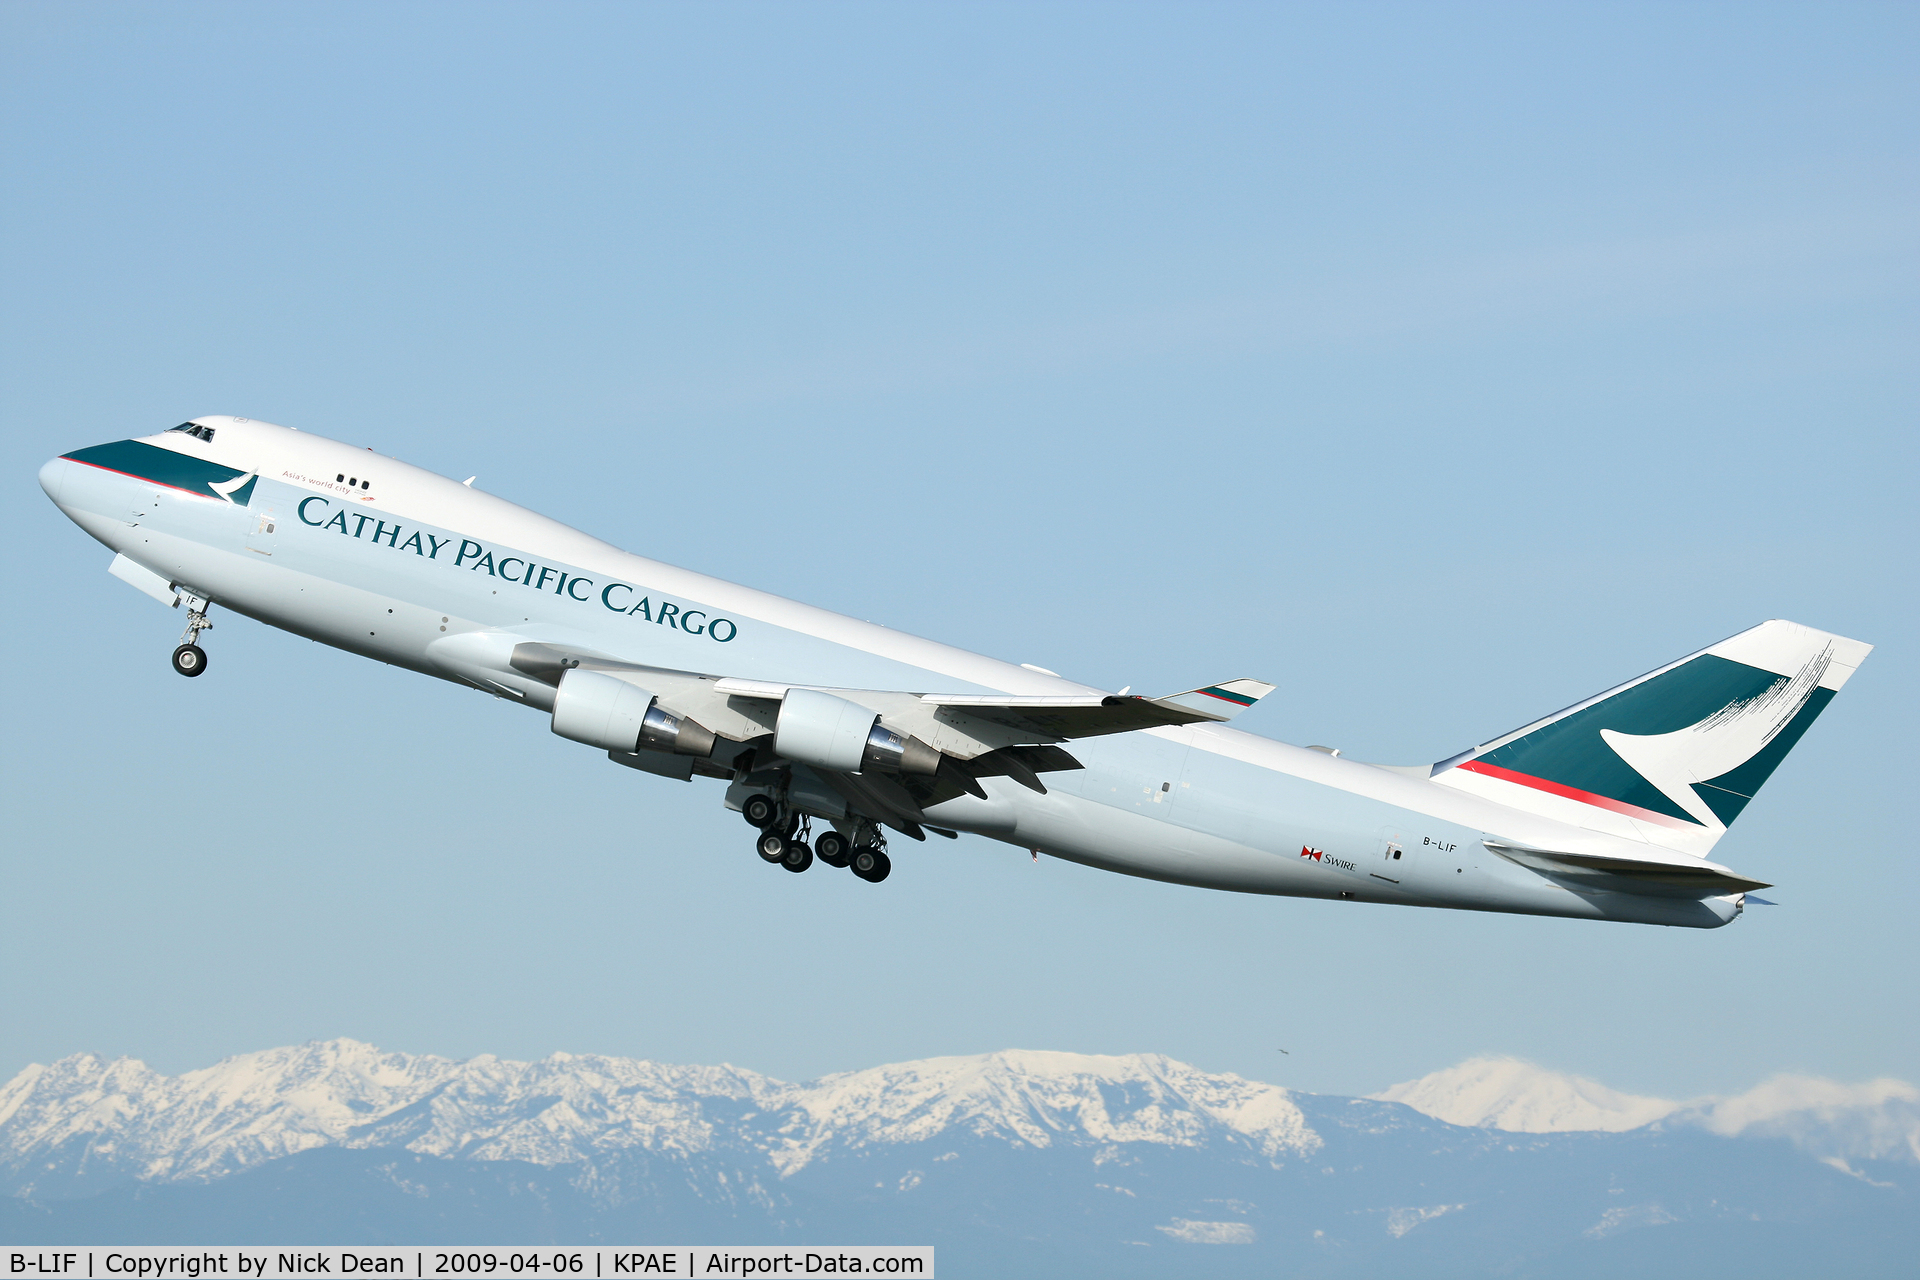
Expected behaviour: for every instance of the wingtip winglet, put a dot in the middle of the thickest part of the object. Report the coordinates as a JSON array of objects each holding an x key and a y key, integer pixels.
[{"x": 1222, "y": 701}]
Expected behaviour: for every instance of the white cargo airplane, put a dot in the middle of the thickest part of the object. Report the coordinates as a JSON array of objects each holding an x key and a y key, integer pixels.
[{"x": 1607, "y": 810}]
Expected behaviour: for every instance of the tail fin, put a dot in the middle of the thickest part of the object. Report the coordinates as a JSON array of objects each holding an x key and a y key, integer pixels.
[{"x": 1673, "y": 757}]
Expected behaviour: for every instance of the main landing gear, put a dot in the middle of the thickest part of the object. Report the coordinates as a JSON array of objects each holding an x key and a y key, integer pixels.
[
  {"x": 867, "y": 860},
  {"x": 190, "y": 659},
  {"x": 833, "y": 849},
  {"x": 783, "y": 839},
  {"x": 783, "y": 843},
  {"x": 871, "y": 864}
]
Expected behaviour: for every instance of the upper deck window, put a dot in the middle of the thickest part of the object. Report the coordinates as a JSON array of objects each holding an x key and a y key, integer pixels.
[{"x": 195, "y": 430}]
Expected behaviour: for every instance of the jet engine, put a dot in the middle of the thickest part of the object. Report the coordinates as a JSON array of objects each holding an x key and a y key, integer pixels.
[
  {"x": 683, "y": 737},
  {"x": 898, "y": 753},
  {"x": 612, "y": 714},
  {"x": 829, "y": 732}
]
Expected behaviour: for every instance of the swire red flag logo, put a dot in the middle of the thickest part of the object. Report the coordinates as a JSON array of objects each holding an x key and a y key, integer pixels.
[{"x": 1310, "y": 853}]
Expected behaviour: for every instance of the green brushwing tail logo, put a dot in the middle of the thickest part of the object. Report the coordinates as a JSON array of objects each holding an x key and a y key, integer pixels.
[
  {"x": 1687, "y": 748},
  {"x": 1703, "y": 767}
]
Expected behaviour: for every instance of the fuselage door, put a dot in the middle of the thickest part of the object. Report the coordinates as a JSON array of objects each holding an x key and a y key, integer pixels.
[
  {"x": 1393, "y": 856},
  {"x": 260, "y": 529}
]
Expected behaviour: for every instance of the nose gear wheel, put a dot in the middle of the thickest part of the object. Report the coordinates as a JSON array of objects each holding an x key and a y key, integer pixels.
[{"x": 190, "y": 659}]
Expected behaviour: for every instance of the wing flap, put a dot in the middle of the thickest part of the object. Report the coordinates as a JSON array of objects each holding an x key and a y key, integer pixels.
[
  {"x": 1047, "y": 720},
  {"x": 1096, "y": 715}
]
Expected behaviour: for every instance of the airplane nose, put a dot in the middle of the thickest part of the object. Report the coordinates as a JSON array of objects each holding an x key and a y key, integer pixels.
[{"x": 51, "y": 477}]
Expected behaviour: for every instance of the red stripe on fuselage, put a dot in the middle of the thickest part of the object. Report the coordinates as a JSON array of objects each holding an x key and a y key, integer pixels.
[{"x": 1574, "y": 793}]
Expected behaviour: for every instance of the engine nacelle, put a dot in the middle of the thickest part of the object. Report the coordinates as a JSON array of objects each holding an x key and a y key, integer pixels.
[
  {"x": 607, "y": 712},
  {"x": 600, "y": 710},
  {"x": 831, "y": 733},
  {"x": 819, "y": 729}
]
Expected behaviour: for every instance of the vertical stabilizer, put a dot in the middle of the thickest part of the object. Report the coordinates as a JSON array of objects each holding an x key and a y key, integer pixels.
[{"x": 1673, "y": 757}]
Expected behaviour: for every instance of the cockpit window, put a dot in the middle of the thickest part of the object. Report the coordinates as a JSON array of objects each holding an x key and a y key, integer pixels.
[{"x": 195, "y": 430}]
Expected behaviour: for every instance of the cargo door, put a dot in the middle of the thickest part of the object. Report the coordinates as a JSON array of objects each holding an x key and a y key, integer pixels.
[
  {"x": 1393, "y": 856},
  {"x": 260, "y": 529}
]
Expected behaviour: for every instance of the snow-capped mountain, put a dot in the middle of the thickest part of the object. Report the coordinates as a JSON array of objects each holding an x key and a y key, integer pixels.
[
  {"x": 89, "y": 1120},
  {"x": 1519, "y": 1097},
  {"x": 1011, "y": 1163},
  {"x": 1878, "y": 1120}
]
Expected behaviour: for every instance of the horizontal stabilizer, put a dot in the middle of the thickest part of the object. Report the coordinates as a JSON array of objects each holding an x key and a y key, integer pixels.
[{"x": 1688, "y": 879}]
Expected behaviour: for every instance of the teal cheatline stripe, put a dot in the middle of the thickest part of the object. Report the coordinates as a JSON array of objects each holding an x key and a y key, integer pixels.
[
  {"x": 1571, "y": 752},
  {"x": 161, "y": 466},
  {"x": 1224, "y": 696}
]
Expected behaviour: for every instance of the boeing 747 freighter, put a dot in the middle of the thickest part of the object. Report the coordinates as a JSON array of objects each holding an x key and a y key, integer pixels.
[{"x": 828, "y": 733}]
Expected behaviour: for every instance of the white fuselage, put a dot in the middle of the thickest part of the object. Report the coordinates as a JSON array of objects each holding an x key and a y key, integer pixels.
[{"x": 423, "y": 572}]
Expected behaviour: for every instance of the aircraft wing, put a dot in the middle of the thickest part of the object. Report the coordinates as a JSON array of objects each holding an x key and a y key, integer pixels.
[
  {"x": 890, "y": 754},
  {"x": 959, "y": 725}
]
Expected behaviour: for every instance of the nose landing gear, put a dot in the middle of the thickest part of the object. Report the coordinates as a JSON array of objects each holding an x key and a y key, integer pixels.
[{"x": 190, "y": 659}]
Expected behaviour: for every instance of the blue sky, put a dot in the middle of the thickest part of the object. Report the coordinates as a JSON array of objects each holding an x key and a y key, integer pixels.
[{"x": 1441, "y": 364}]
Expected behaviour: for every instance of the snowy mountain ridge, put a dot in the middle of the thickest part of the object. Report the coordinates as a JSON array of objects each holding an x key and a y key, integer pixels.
[
  {"x": 85, "y": 1121},
  {"x": 1876, "y": 1120},
  {"x": 99, "y": 1118},
  {"x": 1015, "y": 1163}
]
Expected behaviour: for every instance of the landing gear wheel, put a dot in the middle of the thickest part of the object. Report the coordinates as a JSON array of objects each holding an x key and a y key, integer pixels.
[
  {"x": 760, "y": 811},
  {"x": 798, "y": 858},
  {"x": 189, "y": 659},
  {"x": 871, "y": 865},
  {"x": 771, "y": 846},
  {"x": 832, "y": 848}
]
